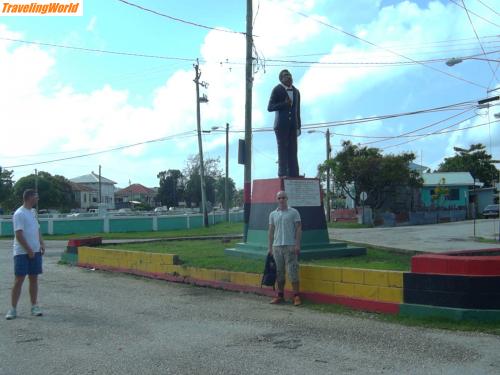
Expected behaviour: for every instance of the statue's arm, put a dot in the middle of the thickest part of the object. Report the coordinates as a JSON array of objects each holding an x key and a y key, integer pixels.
[
  {"x": 274, "y": 101},
  {"x": 299, "y": 121}
]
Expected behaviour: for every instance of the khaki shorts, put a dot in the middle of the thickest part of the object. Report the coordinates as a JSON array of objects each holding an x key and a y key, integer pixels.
[{"x": 286, "y": 258}]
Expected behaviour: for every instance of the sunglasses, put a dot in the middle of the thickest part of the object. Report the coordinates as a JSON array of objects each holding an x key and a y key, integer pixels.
[{"x": 282, "y": 197}]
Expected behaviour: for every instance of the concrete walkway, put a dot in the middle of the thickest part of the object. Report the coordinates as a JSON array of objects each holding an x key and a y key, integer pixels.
[{"x": 433, "y": 238}]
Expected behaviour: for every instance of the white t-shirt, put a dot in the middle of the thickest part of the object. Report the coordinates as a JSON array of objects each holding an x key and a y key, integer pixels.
[
  {"x": 284, "y": 222},
  {"x": 26, "y": 221}
]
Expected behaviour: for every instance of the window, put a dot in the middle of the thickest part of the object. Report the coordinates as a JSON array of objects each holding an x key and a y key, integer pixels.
[{"x": 453, "y": 194}]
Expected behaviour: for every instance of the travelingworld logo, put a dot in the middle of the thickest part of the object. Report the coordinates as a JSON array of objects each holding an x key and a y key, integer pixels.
[{"x": 42, "y": 8}]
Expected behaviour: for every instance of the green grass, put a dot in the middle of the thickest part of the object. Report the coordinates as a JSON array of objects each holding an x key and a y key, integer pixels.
[
  {"x": 213, "y": 230},
  {"x": 347, "y": 225},
  {"x": 210, "y": 254},
  {"x": 438, "y": 323},
  {"x": 487, "y": 240}
]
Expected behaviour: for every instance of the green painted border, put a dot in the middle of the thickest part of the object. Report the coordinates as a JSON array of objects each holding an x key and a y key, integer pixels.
[{"x": 427, "y": 311}]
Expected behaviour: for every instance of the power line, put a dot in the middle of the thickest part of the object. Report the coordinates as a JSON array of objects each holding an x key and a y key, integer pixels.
[
  {"x": 190, "y": 133},
  {"x": 412, "y": 136},
  {"x": 133, "y": 54},
  {"x": 181, "y": 20},
  {"x": 386, "y": 49},
  {"x": 477, "y": 15},
  {"x": 487, "y": 6},
  {"x": 428, "y": 126},
  {"x": 477, "y": 37}
]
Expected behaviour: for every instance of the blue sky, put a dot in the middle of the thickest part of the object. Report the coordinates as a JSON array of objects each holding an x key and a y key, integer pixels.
[{"x": 58, "y": 102}]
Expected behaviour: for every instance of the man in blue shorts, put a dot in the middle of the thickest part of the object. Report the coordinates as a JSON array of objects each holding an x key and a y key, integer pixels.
[{"x": 28, "y": 251}]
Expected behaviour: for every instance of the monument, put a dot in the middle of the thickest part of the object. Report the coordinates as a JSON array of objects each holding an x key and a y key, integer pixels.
[{"x": 304, "y": 194}]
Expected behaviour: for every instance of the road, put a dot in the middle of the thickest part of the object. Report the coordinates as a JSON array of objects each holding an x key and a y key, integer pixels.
[
  {"x": 103, "y": 323},
  {"x": 428, "y": 238}
]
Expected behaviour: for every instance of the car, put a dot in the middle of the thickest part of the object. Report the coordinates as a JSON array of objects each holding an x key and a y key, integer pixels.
[{"x": 491, "y": 211}]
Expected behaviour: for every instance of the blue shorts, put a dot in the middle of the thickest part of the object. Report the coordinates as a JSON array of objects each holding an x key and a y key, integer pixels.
[{"x": 23, "y": 265}]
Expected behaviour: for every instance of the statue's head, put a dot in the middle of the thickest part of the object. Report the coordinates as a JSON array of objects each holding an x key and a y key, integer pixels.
[{"x": 286, "y": 77}]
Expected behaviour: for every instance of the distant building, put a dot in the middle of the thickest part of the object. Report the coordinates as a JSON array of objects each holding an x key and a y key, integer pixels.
[
  {"x": 457, "y": 185},
  {"x": 133, "y": 194},
  {"x": 91, "y": 181},
  {"x": 85, "y": 196}
]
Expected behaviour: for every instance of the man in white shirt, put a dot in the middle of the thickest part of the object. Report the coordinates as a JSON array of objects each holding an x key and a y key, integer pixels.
[
  {"x": 28, "y": 250},
  {"x": 285, "y": 234}
]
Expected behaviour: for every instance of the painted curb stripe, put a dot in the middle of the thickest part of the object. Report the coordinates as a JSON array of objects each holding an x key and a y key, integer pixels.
[
  {"x": 470, "y": 292},
  {"x": 355, "y": 303},
  {"x": 423, "y": 311}
]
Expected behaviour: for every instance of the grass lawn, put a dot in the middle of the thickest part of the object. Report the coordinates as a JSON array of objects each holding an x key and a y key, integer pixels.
[
  {"x": 347, "y": 225},
  {"x": 213, "y": 230},
  {"x": 210, "y": 254}
]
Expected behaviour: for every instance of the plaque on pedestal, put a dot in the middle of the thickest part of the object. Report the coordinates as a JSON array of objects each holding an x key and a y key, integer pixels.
[{"x": 304, "y": 194}]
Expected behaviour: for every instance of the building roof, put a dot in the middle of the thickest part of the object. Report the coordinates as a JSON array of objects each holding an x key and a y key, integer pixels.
[
  {"x": 135, "y": 189},
  {"x": 450, "y": 179},
  {"x": 80, "y": 187},
  {"x": 417, "y": 167},
  {"x": 91, "y": 178}
]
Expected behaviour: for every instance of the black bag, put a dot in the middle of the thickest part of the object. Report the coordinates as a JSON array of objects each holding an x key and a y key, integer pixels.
[{"x": 269, "y": 276}]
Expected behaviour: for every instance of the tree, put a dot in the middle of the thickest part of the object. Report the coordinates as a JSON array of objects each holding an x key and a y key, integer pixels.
[
  {"x": 6, "y": 185},
  {"x": 357, "y": 169},
  {"x": 474, "y": 160},
  {"x": 55, "y": 192},
  {"x": 171, "y": 189},
  {"x": 193, "y": 184},
  {"x": 220, "y": 190}
]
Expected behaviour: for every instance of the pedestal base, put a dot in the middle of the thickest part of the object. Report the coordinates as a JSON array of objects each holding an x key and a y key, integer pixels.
[{"x": 304, "y": 195}]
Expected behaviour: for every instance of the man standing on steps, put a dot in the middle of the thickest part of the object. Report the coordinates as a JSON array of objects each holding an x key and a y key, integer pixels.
[
  {"x": 285, "y": 101},
  {"x": 28, "y": 251},
  {"x": 285, "y": 233}
]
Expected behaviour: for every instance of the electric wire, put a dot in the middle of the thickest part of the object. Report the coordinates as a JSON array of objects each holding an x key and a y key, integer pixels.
[
  {"x": 477, "y": 15},
  {"x": 386, "y": 49},
  {"x": 179, "y": 19},
  {"x": 487, "y": 6},
  {"x": 477, "y": 37},
  {"x": 173, "y": 136}
]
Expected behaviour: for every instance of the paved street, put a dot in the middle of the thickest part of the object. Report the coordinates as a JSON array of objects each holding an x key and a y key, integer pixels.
[
  {"x": 429, "y": 238},
  {"x": 102, "y": 323}
]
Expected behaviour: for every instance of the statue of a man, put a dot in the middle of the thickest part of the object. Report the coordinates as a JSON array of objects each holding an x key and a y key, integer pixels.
[{"x": 285, "y": 101}]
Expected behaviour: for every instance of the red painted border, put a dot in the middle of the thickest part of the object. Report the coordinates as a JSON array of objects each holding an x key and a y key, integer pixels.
[
  {"x": 354, "y": 303},
  {"x": 453, "y": 263},
  {"x": 85, "y": 241},
  {"x": 264, "y": 191}
]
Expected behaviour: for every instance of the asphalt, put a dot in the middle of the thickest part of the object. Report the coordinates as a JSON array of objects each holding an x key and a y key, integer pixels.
[
  {"x": 104, "y": 323},
  {"x": 434, "y": 238}
]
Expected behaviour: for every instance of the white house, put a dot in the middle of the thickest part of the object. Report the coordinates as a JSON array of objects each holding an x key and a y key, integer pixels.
[{"x": 107, "y": 188}]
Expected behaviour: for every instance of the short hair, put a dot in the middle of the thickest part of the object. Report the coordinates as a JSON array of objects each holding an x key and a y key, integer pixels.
[
  {"x": 28, "y": 193},
  {"x": 283, "y": 194},
  {"x": 283, "y": 72}
]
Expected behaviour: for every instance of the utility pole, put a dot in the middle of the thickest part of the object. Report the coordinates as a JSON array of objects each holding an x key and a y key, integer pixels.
[
  {"x": 100, "y": 186},
  {"x": 200, "y": 145},
  {"x": 328, "y": 153},
  {"x": 226, "y": 182},
  {"x": 247, "y": 187},
  {"x": 36, "y": 188}
]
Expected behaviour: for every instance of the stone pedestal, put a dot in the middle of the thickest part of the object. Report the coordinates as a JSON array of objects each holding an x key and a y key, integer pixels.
[{"x": 304, "y": 194}]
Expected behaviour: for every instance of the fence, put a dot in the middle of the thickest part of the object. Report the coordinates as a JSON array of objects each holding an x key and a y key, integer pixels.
[{"x": 116, "y": 224}]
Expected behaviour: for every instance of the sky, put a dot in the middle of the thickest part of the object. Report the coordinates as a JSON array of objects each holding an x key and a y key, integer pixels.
[{"x": 63, "y": 95}]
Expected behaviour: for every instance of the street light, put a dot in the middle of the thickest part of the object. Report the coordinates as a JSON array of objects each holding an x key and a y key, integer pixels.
[
  {"x": 458, "y": 60},
  {"x": 226, "y": 182},
  {"x": 328, "y": 152}
]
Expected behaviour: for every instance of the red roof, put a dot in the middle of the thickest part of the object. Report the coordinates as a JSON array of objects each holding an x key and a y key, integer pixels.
[{"x": 136, "y": 189}]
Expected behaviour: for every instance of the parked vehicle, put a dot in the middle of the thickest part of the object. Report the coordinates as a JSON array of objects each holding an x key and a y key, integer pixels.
[{"x": 491, "y": 210}]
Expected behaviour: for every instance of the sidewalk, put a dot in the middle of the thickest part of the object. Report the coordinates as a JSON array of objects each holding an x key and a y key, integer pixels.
[{"x": 435, "y": 238}]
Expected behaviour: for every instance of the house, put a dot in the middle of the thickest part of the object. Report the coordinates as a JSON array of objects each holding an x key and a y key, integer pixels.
[
  {"x": 135, "y": 193},
  {"x": 446, "y": 189},
  {"x": 107, "y": 189},
  {"x": 85, "y": 197},
  {"x": 485, "y": 196}
]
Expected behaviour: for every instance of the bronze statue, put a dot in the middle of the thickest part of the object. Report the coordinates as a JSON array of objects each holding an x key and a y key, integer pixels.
[{"x": 285, "y": 101}]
